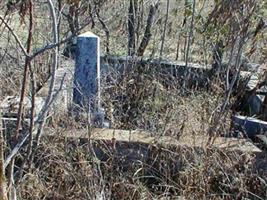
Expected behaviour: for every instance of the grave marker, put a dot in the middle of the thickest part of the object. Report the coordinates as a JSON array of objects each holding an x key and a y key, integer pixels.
[{"x": 86, "y": 92}]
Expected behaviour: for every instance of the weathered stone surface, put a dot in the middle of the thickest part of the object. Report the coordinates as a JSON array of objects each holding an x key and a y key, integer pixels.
[
  {"x": 9, "y": 106},
  {"x": 63, "y": 88},
  {"x": 249, "y": 125},
  {"x": 126, "y": 148},
  {"x": 62, "y": 96},
  {"x": 168, "y": 71},
  {"x": 86, "y": 93},
  {"x": 145, "y": 138},
  {"x": 254, "y": 101}
]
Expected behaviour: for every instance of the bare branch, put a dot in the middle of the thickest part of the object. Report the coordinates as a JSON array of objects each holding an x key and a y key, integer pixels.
[
  {"x": 57, "y": 44},
  {"x": 15, "y": 150},
  {"x": 15, "y": 36},
  {"x": 49, "y": 98}
]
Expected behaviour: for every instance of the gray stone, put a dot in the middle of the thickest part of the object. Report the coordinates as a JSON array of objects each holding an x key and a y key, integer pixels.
[
  {"x": 249, "y": 126},
  {"x": 255, "y": 101},
  {"x": 86, "y": 93}
]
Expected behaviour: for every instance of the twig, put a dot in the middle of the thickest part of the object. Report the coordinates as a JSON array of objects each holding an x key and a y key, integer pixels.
[
  {"x": 55, "y": 44},
  {"x": 15, "y": 150},
  {"x": 21, "y": 143},
  {"x": 15, "y": 36},
  {"x": 49, "y": 98}
]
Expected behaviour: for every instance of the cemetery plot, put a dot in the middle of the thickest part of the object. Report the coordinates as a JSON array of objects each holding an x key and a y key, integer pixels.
[{"x": 81, "y": 87}]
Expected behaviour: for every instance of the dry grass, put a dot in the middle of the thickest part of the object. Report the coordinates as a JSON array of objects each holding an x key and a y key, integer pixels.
[
  {"x": 67, "y": 169},
  {"x": 145, "y": 99}
]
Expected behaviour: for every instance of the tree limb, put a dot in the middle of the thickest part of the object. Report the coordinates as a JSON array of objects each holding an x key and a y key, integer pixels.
[
  {"x": 15, "y": 36},
  {"x": 147, "y": 34}
]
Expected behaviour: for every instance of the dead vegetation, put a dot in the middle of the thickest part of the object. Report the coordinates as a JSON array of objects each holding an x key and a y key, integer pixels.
[
  {"x": 67, "y": 168},
  {"x": 218, "y": 34},
  {"x": 67, "y": 171}
]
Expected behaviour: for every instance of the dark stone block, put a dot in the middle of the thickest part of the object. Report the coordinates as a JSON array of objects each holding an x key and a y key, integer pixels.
[{"x": 249, "y": 126}]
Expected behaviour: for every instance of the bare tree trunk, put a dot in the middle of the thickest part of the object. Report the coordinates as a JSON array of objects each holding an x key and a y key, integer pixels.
[
  {"x": 25, "y": 75},
  {"x": 217, "y": 59},
  {"x": 139, "y": 10},
  {"x": 184, "y": 26},
  {"x": 164, "y": 30},
  {"x": 190, "y": 33},
  {"x": 73, "y": 17},
  {"x": 12, "y": 192},
  {"x": 147, "y": 34},
  {"x": 178, "y": 48},
  {"x": 131, "y": 27},
  {"x": 189, "y": 44},
  {"x": 29, "y": 148},
  {"x": 106, "y": 29}
]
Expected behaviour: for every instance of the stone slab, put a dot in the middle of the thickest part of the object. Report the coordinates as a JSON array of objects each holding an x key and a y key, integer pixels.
[
  {"x": 63, "y": 86},
  {"x": 249, "y": 126},
  {"x": 255, "y": 101},
  {"x": 144, "y": 137},
  {"x": 9, "y": 106},
  {"x": 63, "y": 90}
]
